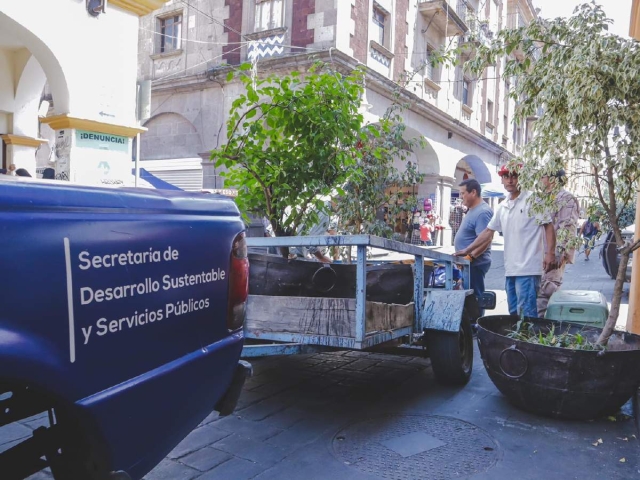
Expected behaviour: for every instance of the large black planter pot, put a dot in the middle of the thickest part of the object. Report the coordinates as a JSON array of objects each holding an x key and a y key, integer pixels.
[
  {"x": 277, "y": 276},
  {"x": 560, "y": 382}
]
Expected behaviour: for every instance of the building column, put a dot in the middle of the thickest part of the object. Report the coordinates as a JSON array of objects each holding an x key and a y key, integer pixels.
[
  {"x": 211, "y": 178},
  {"x": 91, "y": 152},
  {"x": 21, "y": 151},
  {"x": 444, "y": 188}
]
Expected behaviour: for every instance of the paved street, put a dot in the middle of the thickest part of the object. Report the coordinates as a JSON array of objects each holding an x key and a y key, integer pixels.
[{"x": 310, "y": 416}]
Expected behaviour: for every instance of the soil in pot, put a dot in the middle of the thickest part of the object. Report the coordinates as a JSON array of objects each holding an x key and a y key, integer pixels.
[{"x": 560, "y": 382}]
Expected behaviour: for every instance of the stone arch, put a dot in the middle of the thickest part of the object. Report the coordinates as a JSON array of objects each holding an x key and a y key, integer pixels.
[
  {"x": 46, "y": 58},
  {"x": 170, "y": 135},
  {"x": 27, "y": 98},
  {"x": 425, "y": 155},
  {"x": 478, "y": 168}
]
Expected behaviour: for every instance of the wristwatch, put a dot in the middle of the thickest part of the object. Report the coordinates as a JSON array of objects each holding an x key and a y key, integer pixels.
[{"x": 469, "y": 257}]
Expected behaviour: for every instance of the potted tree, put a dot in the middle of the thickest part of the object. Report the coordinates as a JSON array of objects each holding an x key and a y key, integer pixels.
[
  {"x": 298, "y": 150},
  {"x": 582, "y": 85}
]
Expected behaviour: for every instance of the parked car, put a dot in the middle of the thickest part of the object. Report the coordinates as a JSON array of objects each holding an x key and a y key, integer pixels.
[
  {"x": 122, "y": 315},
  {"x": 611, "y": 257}
]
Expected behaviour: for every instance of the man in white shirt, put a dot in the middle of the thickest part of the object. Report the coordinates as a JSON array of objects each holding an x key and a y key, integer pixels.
[{"x": 524, "y": 257}]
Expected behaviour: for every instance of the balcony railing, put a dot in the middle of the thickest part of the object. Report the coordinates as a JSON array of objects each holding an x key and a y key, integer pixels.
[
  {"x": 445, "y": 15},
  {"x": 478, "y": 34}
]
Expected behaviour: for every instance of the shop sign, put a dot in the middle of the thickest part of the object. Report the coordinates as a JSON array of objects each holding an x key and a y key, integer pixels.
[{"x": 102, "y": 141}]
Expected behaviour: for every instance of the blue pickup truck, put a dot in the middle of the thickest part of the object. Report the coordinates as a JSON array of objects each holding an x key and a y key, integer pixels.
[{"x": 122, "y": 315}]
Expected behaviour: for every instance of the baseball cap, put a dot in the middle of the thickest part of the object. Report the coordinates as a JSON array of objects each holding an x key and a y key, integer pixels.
[{"x": 509, "y": 169}]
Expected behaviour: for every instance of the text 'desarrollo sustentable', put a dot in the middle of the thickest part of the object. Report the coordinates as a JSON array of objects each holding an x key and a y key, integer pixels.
[{"x": 89, "y": 295}]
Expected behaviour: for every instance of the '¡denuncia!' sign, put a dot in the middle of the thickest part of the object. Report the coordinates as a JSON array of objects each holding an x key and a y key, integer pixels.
[{"x": 101, "y": 141}]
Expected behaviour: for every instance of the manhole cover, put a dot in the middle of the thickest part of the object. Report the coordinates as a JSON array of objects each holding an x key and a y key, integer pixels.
[{"x": 420, "y": 447}]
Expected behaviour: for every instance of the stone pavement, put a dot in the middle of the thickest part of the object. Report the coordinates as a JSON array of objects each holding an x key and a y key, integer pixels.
[
  {"x": 293, "y": 414},
  {"x": 317, "y": 416}
]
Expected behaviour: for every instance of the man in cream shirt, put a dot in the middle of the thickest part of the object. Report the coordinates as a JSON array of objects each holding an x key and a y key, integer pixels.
[{"x": 525, "y": 259}]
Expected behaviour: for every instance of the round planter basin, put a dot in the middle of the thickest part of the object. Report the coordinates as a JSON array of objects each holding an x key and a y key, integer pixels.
[{"x": 560, "y": 382}]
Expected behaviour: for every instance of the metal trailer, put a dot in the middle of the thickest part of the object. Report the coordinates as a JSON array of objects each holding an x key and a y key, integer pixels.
[{"x": 440, "y": 318}]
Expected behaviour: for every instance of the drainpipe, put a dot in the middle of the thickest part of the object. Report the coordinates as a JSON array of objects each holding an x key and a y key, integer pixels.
[{"x": 137, "y": 176}]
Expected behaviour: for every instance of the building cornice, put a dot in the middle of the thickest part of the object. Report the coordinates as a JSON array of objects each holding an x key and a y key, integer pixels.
[
  {"x": 21, "y": 140},
  {"x": 139, "y": 7},
  {"x": 59, "y": 122},
  {"x": 344, "y": 63}
]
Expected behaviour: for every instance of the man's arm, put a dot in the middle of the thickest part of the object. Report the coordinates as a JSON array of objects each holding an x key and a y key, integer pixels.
[
  {"x": 549, "y": 262},
  {"x": 322, "y": 258},
  {"x": 479, "y": 245}
]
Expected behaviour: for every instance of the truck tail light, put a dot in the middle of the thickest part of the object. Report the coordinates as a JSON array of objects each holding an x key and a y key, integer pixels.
[{"x": 238, "y": 283}]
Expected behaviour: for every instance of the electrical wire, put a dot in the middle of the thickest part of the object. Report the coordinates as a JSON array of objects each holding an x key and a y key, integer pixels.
[
  {"x": 197, "y": 64},
  {"x": 248, "y": 42}
]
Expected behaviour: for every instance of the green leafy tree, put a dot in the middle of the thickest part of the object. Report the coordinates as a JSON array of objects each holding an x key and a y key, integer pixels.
[
  {"x": 296, "y": 141},
  {"x": 587, "y": 83},
  {"x": 376, "y": 182},
  {"x": 291, "y": 141}
]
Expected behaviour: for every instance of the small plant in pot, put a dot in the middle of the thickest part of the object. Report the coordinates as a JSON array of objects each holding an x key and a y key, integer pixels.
[{"x": 582, "y": 85}]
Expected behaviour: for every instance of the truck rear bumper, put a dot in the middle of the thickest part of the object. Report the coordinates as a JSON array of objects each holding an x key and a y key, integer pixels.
[
  {"x": 227, "y": 404},
  {"x": 141, "y": 420}
]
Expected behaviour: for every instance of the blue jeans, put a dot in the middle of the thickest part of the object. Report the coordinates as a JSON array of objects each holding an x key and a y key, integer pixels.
[
  {"x": 476, "y": 276},
  {"x": 521, "y": 295}
]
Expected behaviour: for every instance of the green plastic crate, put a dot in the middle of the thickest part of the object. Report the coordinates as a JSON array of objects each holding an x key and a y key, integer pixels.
[{"x": 578, "y": 306}]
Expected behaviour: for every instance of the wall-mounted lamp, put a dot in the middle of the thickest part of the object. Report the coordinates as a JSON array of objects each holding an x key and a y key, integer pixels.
[
  {"x": 96, "y": 7},
  {"x": 449, "y": 134}
]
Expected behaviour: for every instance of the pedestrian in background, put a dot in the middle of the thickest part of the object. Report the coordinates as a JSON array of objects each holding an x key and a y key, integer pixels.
[
  {"x": 589, "y": 231},
  {"x": 473, "y": 224},
  {"x": 565, "y": 223},
  {"x": 426, "y": 229},
  {"x": 525, "y": 259}
]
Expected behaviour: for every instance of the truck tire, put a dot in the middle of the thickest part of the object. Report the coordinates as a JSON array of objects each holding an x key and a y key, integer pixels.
[
  {"x": 451, "y": 353},
  {"x": 62, "y": 447}
]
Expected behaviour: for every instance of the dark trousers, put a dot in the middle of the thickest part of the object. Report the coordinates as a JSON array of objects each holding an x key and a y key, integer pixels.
[{"x": 477, "y": 274}]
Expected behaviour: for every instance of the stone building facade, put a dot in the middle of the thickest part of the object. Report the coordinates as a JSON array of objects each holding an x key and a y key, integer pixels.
[
  {"x": 68, "y": 87},
  {"x": 186, "y": 48}
]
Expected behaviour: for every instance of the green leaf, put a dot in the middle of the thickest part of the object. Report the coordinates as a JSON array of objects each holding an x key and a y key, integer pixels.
[{"x": 253, "y": 96}]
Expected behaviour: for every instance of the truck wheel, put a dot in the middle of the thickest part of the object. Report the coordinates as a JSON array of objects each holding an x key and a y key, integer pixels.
[
  {"x": 62, "y": 446},
  {"x": 451, "y": 353}
]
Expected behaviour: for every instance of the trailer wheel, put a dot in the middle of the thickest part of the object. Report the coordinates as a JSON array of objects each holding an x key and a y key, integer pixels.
[{"x": 452, "y": 353}]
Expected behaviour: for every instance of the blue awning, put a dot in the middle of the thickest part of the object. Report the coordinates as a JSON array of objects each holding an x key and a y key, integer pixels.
[
  {"x": 492, "y": 190},
  {"x": 155, "y": 181}
]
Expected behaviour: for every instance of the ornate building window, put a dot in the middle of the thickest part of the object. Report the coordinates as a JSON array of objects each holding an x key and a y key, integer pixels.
[
  {"x": 268, "y": 15},
  {"x": 170, "y": 32}
]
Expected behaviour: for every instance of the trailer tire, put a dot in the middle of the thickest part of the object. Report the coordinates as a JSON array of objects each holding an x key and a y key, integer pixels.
[{"x": 451, "y": 353}]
